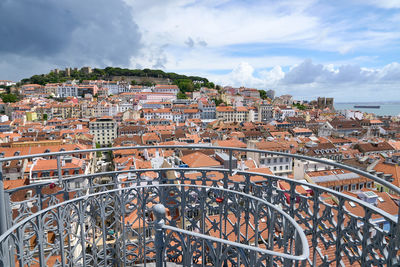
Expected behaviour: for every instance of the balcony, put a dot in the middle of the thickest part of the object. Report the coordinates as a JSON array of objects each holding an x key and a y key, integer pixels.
[{"x": 192, "y": 217}]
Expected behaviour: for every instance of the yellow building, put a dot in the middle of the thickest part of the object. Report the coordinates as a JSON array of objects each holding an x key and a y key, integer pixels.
[
  {"x": 31, "y": 116},
  {"x": 37, "y": 143}
]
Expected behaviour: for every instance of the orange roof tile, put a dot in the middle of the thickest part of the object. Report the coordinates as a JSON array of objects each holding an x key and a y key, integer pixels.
[{"x": 198, "y": 159}]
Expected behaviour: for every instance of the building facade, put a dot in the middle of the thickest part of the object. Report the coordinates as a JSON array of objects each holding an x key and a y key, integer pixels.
[{"x": 104, "y": 130}]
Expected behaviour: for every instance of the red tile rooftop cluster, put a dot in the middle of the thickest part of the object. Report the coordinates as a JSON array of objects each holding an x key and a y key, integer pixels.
[{"x": 75, "y": 116}]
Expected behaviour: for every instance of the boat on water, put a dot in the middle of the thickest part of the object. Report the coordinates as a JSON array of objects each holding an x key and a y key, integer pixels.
[{"x": 366, "y": 106}]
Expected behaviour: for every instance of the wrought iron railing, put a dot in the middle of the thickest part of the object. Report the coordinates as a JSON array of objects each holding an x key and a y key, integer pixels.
[
  {"x": 336, "y": 236},
  {"x": 117, "y": 228}
]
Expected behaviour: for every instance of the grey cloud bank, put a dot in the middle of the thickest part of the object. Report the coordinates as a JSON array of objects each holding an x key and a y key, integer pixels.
[{"x": 41, "y": 34}]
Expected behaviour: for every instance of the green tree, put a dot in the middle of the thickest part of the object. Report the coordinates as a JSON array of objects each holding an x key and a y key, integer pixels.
[
  {"x": 218, "y": 102},
  {"x": 263, "y": 94},
  {"x": 7, "y": 88},
  {"x": 299, "y": 106},
  {"x": 9, "y": 98},
  {"x": 181, "y": 95},
  {"x": 98, "y": 153},
  {"x": 185, "y": 85},
  {"x": 45, "y": 117}
]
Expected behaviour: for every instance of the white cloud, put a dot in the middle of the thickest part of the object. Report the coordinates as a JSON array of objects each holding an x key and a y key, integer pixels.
[
  {"x": 244, "y": 74},
  {"x": 308, "y": 80},
  {"x": 219, "y": 26},
  {"x": 198, "y": 35},
  {"x": 273, "y": 76}
]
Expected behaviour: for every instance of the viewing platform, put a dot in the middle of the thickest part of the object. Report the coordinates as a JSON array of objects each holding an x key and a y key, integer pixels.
[{"x": 180, "y": 216}]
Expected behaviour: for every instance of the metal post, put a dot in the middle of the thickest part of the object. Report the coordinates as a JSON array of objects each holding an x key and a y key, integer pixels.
[
  {"x": 159, "y": 212},
  {"x": 230, "y": 162},
  {"x": 3, "y": 211},
  {"x": 59, "y": 170},
  {"x": 3, "y": 218}
]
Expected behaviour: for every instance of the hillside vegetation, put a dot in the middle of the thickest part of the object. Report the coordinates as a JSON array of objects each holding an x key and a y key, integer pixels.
[{"x": 185, "y": 83}]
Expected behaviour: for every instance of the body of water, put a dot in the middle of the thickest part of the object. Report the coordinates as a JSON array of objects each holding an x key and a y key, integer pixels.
[{"x": 386, "y": 109}]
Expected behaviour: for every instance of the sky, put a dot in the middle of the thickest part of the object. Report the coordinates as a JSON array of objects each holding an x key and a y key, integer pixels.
[{"x": 349, "y": 50}]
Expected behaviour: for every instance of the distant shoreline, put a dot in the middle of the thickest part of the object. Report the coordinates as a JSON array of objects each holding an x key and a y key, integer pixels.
[
  {"x": 386, "y": 108},
  {"x": 373, "y": 103}
]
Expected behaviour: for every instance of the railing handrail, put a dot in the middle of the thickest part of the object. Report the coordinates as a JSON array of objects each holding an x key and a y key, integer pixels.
[
  {"x": 305, "y": 249},
  {"x": 384, "y": 214},
  {"x": 297, "y": 156},
  {"x": 232, "y": 243}
]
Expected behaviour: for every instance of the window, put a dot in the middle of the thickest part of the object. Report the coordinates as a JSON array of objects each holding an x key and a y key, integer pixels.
[
  {"x": 281, "y": 160},
  {"x": 275, "y": 160},
  {"x": 353, "y": 187},
  {"x": 274, "y": 168}
]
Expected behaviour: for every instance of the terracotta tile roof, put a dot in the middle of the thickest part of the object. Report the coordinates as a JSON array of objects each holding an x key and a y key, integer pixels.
[
  {"x": 393, "y": 169},
  {"x": 10, "y": 152},
  {"x": 301, "y": 130},
  {"x": 273, "y": 146},
  {"x": 224, "y": 109},
  {"x": 51, "y": 164},
  {"x": 388, "y": 204},
  {"x": 198, "y": 159},
  {"x": 230, "y": 143},
  {"x": 11, "y": 184},
  {"x": 372, "y": 147},
  {"x": 395, "y": 144}
]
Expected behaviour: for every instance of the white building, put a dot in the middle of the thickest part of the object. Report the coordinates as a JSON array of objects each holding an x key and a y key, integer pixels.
[
  {"x": 287, "y": 112},
  {"x": 265, "y": 112},
  {"x": 279, "y": 165},
  {"x": 7, "y": 82},
  {"x": 105, "y": 108},
  {"x": 159, "y": 88},
  {"x": 104, "y": 130},
  {"x": 67, "y": 90},
  {"x": 115, "y": 87},
  {"x": 301, "y": 167},
  {"x": 208, "y": 110},
  {"x": 160, "y": 97},
  {"x": 125, "y": 106},
  {"x": 3, "y": 118}
]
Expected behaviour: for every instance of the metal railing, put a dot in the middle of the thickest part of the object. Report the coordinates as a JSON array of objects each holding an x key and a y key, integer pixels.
[
  {"x": 336, "y": 234},
  {"x": 117, "y": 228}
]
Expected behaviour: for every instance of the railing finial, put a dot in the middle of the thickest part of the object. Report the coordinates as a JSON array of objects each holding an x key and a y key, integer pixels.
[{"x": 159, "y": 213}]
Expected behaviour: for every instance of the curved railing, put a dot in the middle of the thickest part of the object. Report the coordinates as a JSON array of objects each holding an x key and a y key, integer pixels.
[
  {"x": 341, "y": 230},
  {"x": 117, "y": 228}
]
